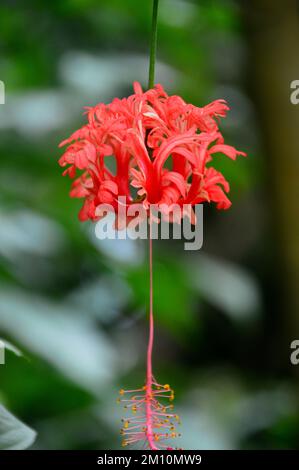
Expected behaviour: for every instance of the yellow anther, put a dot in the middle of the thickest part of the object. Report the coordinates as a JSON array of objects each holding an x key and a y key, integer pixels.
[
  {"x": 118, "y": 401},
  {"x": 121, "y": 392},
  {"x": 156, "y": 437},
  {"x": 126, "y": 425},
  {"x": 166, "y": 387}
]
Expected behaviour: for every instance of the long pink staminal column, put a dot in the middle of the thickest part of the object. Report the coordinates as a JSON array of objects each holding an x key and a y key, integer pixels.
[
  {"x": 153, "y": 423},
  {"x": 149, "y": 368}
]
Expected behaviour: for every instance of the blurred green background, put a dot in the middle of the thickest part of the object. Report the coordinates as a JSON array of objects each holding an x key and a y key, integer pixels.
[{"x": 74, "y": 306}]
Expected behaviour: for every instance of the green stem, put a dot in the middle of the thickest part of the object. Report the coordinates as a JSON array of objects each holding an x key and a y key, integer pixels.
[{"x": 153, "y": 47}]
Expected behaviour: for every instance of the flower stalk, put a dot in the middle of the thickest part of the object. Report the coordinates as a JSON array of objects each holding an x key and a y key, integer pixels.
[{"x": 153, "y": 46}]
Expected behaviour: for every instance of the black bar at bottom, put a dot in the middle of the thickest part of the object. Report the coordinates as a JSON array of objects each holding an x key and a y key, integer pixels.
[{"x": 130, "y": 459}]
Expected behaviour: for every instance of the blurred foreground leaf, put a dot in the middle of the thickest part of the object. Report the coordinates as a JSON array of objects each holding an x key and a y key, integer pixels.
[{"x": 14, "y": 435}]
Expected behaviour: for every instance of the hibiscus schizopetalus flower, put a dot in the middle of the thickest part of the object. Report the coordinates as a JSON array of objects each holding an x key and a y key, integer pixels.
[{"x": 162, "y": 151}]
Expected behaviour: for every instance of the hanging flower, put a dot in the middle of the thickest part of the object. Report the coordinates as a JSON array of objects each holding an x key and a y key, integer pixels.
[
  {"x": 153, "y": 149},
  {"x": 150, "y": 148}
]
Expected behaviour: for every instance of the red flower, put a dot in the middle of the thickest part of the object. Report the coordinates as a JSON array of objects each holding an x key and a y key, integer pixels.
[{"x": 161, "y": 146}]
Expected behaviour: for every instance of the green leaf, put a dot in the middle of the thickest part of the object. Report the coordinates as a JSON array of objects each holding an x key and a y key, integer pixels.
[{"x": 14, "y": 435}]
